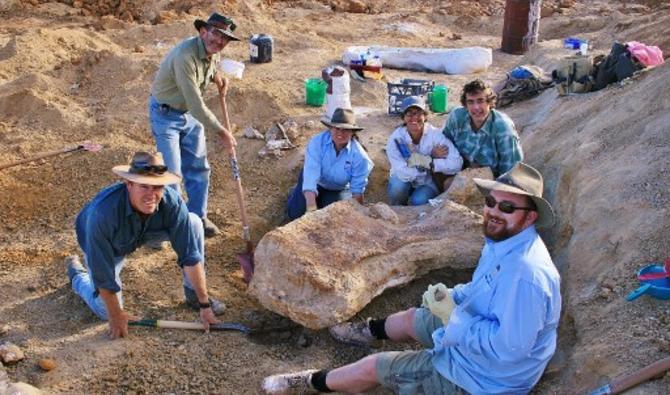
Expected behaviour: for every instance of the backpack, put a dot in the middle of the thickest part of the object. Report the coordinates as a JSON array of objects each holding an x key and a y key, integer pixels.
[
  {"x": 573, "y": 74},
  {"x": 615, "y": 67}
]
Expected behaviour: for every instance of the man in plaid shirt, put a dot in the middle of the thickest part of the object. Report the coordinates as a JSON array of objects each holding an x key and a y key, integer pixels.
[{"x": 483, "y": 136}]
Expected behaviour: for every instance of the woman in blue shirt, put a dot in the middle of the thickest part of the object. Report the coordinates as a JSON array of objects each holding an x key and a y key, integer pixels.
[{"x": 336, "y": 167}]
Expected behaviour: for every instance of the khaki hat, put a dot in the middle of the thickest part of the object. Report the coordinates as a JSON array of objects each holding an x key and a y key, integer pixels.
[
  {"x": 146, "y": 168},
  {"x": 343, "y": 118},
  {"x": 522, "y": 179},
  {"x": 221, "y": 23}
]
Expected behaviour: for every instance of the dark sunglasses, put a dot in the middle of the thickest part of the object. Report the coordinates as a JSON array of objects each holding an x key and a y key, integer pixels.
[
  {"x": 504, "y": 206},
  {"x": 146, "y": 168}
]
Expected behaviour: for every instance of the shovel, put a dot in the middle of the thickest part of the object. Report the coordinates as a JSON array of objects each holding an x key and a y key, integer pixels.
[
  {"x": 85, "y": 146},
  {"x": 246, "y": 258}
]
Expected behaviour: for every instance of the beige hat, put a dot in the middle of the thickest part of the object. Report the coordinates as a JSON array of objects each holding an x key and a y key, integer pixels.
[
  {"x": 343, "y": 118},
  {"x": 146, "y": 168},
  {"x": 522, "y": 179}
]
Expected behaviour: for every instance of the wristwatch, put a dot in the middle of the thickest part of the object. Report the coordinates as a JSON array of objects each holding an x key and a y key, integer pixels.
[{"x": 206, "y": 305}]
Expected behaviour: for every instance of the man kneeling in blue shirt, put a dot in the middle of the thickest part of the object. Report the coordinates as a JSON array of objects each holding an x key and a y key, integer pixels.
[
  {"x": 122, "y": 217},
  {"x": 493, "y": 335}
]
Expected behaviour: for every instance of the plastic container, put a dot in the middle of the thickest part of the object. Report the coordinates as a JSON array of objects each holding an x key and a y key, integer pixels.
[
  {"x": 335, "y": 101},
  {"x": 315, "y": 92},
  {"x": 584, "y": 48},
  {"x": 260, "y": 48},
  {"x": 573, "y": 43},
  {"x": 438, "y": 99},
  {"x": 406, "y": 87},
  {"x": 232, "y": 68}
]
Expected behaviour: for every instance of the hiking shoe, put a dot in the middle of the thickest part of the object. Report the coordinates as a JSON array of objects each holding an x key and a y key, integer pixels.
[
  {"x": 73, "y": 267},
  {"x": 218, "y": 307},
  {"x": 211, "y": 230},
  {"x": 298, "y": 383},
  {"x": 353, "y": 333}
]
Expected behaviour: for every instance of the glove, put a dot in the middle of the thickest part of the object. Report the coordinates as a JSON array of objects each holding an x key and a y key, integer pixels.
[
  {"x": 421, "y": 162},
  {"x": 439, "y": 301}
]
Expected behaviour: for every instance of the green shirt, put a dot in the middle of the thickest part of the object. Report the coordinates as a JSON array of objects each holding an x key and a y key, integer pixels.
[
  {"x": 182, "y": 78},
  {"x": 496, "y": 144}
]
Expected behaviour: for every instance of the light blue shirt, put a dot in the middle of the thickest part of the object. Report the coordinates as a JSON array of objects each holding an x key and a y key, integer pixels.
[
  {"x": 502, "y": 333},
  {"x": 336, "y": 172}
]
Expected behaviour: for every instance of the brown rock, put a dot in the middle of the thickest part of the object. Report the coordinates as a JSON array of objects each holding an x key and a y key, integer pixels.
[
  {"x": 353, "y": 6},
  {"x": 10, "y": 353},
  {"x": 464, "y": 191},
  {"x": 325, "y": 267},
  {"x": 47, "y": 364}
]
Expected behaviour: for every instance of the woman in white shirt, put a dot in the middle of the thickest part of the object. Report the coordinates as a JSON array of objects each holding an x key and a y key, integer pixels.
[{"x": 416, "y": 150}]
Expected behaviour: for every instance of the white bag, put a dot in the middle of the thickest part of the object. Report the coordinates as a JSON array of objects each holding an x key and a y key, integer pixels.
[
  {"x": 335, "y": 101},
  {"x": 438, "y": 60}
]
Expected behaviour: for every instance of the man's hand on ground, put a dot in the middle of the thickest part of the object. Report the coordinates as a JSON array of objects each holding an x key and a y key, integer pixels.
[
  {"x": 207, "y": 317},
  {"x": 439, "y": 151},
  {"x": 439, "y": 301},
  {"x": 118, "y": 325}
]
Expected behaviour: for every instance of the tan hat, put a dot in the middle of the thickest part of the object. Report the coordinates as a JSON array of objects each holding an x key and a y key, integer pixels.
[
  {"x": 146, "y": 168},
  {"x": 343, "y": 118},
  {"x": 522, "y": 179}
]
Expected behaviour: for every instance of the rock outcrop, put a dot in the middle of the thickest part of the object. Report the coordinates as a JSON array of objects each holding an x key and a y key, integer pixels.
[{"x": 325, "y": 267}]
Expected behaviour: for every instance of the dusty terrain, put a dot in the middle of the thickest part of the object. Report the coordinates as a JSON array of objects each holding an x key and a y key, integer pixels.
[{"x": 74, "y": 71}]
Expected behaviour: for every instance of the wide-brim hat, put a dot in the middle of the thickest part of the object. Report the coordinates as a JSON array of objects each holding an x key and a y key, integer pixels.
[
  {"x": 146, "y": 168},
  {"x": 522, "y": 179},
  {"x": 413, "y": 101},
  {"x": 343, "y": 118},
  {"x": 221, "y": 23}
]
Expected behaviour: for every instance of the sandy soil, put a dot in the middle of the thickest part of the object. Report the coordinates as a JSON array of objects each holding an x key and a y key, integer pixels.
[{"x": 74, "y": 71}]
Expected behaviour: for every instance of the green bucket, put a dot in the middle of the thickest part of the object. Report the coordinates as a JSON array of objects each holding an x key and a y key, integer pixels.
[
  {"x": 315, "y": 91},
  {"x": 438, "y": 99}
]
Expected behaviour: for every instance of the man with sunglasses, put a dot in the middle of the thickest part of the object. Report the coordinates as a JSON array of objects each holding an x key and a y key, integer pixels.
[
  {"x": 493, "y": 335},
  {"x": 121, "y": 218},
  {"x": 178, "y": 112},
  {"x": 484, "y": 137}
]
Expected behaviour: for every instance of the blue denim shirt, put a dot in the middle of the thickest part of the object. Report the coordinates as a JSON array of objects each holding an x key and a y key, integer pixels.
[
  {"x": 495, "y": 145},
  {"x": 108, "y": 227},
  {"x": 323, "y": 166},
  {"x": 502, "y": 333}
]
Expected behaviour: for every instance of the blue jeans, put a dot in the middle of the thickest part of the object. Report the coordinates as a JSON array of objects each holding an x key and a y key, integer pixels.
[
  {"x": 403, "y": 193},
  {"x": 82, "y": 284},
  {"x": 181, "y": 140},
  {"x": 297, "y": 205}
]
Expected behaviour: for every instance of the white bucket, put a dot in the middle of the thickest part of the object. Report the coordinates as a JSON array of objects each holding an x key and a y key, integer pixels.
[
  {"x": 335, "y": 101},
  {"x": 232, "y": 68},
  {"x": 341, "y": 84}
]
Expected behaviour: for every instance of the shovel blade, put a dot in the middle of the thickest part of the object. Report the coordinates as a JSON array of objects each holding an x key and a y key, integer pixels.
[{"x": 247, "y": 264}]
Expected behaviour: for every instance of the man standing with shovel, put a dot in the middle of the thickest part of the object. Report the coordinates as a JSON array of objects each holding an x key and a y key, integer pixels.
[
  {"x": 120, "y": 219},
  {"x": 178, "y": 112}
]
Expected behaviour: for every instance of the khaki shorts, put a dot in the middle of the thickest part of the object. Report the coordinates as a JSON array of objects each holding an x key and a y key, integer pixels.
[{"x": 412, "y": 372}]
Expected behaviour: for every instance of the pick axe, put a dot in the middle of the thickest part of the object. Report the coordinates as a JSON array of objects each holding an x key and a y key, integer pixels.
[{"x": 85, "y": 146}]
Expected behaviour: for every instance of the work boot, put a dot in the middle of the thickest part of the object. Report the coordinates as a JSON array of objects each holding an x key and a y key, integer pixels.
[
  {"x": 218, "y": 307},
  {"x": 353, "y": 333},
  {"x": 73, "y": 267},
  {"x": 211, "y": 230},
  {"x": 298, "y": 383}
]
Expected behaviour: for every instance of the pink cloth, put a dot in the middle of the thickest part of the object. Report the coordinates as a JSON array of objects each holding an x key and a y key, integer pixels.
[{"x": 648, "y": 55}]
